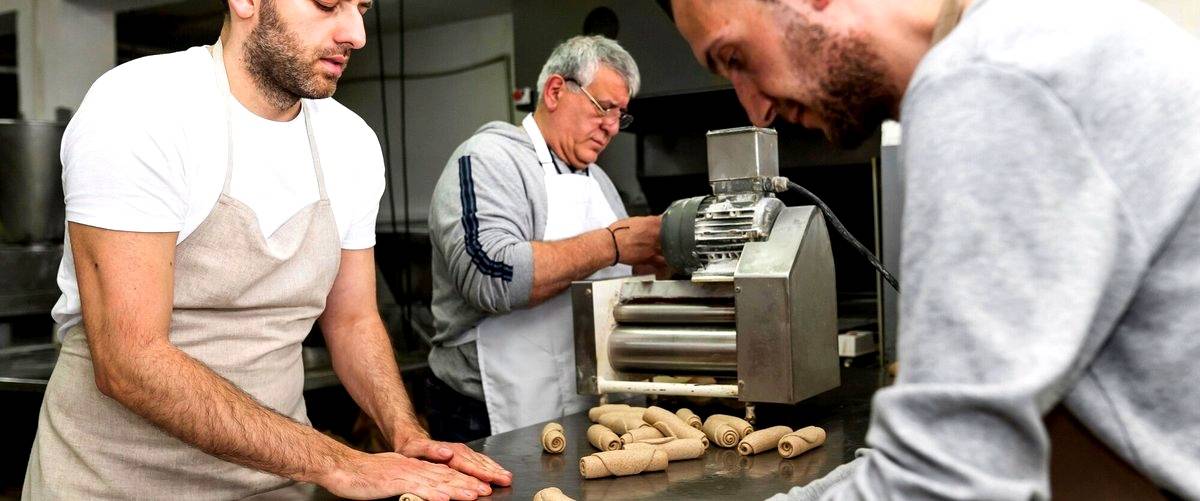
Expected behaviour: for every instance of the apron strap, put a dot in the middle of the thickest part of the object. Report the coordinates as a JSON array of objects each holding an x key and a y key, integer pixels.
[
  {"x": 222, "y": 76},
  {"x": 545, "y": 159}
]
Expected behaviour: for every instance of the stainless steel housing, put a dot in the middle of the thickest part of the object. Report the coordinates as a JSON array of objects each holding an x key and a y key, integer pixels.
[{"x": 32, "y": 208}]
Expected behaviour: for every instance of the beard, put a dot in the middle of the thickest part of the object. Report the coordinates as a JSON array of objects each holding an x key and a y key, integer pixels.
[
  {"x": 853, "y": 96},
  {"x": 280, "y": 66}
]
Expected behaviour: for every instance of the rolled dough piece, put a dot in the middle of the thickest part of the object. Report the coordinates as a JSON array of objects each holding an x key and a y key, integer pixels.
[
  {"x": 595, "y": 412},
  {"x": 689, "y": 417},
  {"x": 738, "y": 424},
  {"x": 551, "y": 494},
  {"x": 800, "y": 441},
  {"x": 721, "y": 433},
  {"x": 656, "y": 441},
  {"x": 640, "y": 434},
  {"x": 622, "y": 463},
  {"x": 677, "y": 449},
  {"x": 553, "y": 440},
  {"x": 622, "y": 422},
  {"x": 603, "y": 438},
  {"x": 411, "y": 497},
  {"x": 762, "y": 440},
  {"x": 670, "y": 425}
]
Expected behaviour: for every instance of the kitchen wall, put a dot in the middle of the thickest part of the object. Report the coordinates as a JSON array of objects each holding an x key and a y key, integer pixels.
[
  {"x": 441, "y": 109},
  {"x": 62, "y": 46}
]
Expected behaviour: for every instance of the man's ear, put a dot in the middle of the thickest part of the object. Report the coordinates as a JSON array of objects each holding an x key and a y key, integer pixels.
[
  {"x": 552, "y": 92},
  {"x": 244, "y": 9}
]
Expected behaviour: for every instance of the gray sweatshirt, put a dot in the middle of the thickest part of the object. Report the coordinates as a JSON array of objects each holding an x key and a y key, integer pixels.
[
  {"x": 488, "y": 205},
  {"x": 1051, "y": 254}
]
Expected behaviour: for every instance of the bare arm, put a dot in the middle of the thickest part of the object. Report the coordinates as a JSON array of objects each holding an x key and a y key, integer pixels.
[
  {"x": 126, "y": 284},
  {"x": 365, "y": 363},
  {"x": 558, "y": 263}
]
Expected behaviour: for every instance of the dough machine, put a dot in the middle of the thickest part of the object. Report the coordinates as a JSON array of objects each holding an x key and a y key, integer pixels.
[{"x": 755, "y": 316}]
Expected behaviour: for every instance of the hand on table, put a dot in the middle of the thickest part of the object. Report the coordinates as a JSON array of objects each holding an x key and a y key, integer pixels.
[
  {"x": 374, "y": 476},
  {"x": 459, "y": 457}
]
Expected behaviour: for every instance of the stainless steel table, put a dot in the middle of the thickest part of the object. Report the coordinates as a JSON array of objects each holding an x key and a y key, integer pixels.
[{"x": 721, "y": 474}]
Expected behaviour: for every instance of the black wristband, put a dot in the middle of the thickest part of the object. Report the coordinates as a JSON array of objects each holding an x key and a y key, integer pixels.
[{"x": 616, "y": 248}]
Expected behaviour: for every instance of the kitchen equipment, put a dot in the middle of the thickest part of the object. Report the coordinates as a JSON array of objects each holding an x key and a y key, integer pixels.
[{"x": 755, "y": 320}]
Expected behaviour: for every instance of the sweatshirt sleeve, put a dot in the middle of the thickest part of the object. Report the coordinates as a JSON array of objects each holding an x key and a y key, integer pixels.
[
  {"x": 1019, "y": 258},
  {"x": 481, "y": 223}
]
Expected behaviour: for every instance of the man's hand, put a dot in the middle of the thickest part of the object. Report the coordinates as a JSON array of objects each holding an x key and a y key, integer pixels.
[
  {"x": 637, "y": 238},
  {"x": 374, "y": 476},
  {"x": 457, "y": 456}
]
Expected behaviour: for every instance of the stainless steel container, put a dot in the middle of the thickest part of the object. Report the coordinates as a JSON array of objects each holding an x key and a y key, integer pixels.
[{"x": 31, "y": 195}]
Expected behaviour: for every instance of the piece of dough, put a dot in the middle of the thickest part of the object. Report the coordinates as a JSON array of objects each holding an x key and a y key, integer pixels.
[
  {"x": 551, "y": 494},
  {"x": 721, "y": 433},
  {"x": 595, "y": 412},
  {"x": 689, "y": 417},
  {"x": 553, "y": 440},
  {"x": 670, "y": 425},
  {"x": 411, "y": 497},
  {"x": 738, "y": 424},
  {"x": 640, "y": 434},
  {"x": 800, "y": 441},
  {"x": 762, "y": 440},
  {"x": 622, "y": 463},
  {"x": 621, "y": 422},
  {"x": 656, "y": 441},
  {"x": 677, "y": 449},
  {"x": 603, "y": 438}
]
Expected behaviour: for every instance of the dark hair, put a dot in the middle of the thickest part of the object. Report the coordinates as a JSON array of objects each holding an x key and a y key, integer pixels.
[{"x": 666, "y": 7}]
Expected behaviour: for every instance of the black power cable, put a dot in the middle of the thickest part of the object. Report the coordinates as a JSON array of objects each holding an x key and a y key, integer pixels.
[{"x": 837, "y": 225}]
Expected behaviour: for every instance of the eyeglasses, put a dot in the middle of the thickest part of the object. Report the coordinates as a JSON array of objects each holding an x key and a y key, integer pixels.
[{"x": 623, "y": 119}]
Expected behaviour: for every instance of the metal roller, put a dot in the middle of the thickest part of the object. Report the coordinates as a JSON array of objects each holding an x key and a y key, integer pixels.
[
  {"x": 673, "y": 350},
  {"x": 673, "y": 314}
]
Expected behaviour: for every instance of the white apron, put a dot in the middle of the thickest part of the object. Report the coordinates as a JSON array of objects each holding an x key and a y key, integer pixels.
[
  {"x": 242, "y": 305},
  {"x": 527, "y": 357}
]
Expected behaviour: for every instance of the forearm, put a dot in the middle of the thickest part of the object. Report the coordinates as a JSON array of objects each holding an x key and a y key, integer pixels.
[
  {"x": 191, "y": 402},
  {"x": 556, "y": 264},
  {"x": 365, "y": 363}
]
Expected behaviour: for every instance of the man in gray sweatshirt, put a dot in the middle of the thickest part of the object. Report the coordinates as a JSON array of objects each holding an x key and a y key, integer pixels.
[
  {"x": 518, "y": 214},
  {"x": 1051, "y": 228}
]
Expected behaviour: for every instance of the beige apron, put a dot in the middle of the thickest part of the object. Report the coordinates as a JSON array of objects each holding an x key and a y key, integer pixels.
[{"x": 242, "y": 305}]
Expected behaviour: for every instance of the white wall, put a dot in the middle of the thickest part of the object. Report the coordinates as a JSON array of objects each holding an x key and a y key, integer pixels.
[
  {"x": 62, "y": 47},
  {"x": 440, "y": 112}
]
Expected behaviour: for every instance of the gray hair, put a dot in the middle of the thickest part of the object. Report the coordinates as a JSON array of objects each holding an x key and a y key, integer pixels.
[{"x": 579, "y": 57}]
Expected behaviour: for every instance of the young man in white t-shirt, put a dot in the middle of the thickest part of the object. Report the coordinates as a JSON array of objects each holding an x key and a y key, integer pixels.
[{"x": 233, "y": 153}]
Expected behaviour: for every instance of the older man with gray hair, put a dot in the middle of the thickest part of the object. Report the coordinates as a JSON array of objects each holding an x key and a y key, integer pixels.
[{"x": 517, "y": 215}]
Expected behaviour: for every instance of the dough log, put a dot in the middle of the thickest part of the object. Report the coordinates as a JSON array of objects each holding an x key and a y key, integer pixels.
[
  {"x": 762, "y": 440},
  {"x": 553, "y": 440},
  {"x": 622, "y": 463},
  {"x": 603, "y": 438},
  {"x": 800, "y": 441}
]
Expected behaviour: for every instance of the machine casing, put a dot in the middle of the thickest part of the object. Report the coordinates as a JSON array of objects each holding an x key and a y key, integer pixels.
[{"x": 764, "y": 332}]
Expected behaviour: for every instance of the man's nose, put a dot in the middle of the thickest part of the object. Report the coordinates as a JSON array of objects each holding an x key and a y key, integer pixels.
[
  {"x": 610, "y": 127},
  {"x": 759, "y": 108},
  {"x": 350, "y": 30}
]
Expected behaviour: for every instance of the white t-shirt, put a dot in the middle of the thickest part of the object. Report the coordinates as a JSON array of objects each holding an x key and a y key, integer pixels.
[{"x": 147, "y": 152}]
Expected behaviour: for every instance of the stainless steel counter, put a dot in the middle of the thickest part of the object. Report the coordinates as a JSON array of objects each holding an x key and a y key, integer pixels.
[{"x": 721, "y": 474}]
